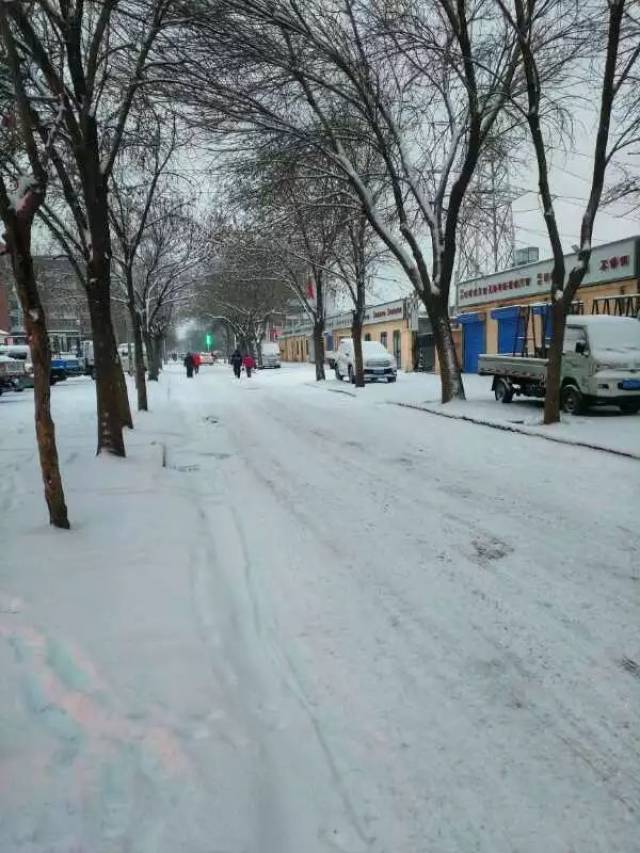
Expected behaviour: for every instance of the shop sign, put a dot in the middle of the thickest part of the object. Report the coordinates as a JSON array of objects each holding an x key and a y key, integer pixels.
[
  {"x": 611, "y": 262},
  {"x": 375, "y": 314}
]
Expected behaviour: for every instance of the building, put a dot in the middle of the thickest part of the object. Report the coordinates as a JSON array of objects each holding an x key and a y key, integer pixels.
[
  {"x": 63, "y": 299},
  {"x": 401, "y": 326},
  {"x": 488, "y": 307}
]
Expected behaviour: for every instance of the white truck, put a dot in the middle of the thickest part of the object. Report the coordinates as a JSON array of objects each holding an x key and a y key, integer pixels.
[
  {"x": 270, "y": 354},
  {"x": 600, "y": 366}
]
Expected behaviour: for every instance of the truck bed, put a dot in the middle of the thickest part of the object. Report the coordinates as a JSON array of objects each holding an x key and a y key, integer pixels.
[{"x": 514, "y": 366}]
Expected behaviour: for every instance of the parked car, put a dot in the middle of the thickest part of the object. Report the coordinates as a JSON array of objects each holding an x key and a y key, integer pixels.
[
  {"x": 22, "y": 354},
  {"x": 207, "y": 358},
  {"x": 378, "y": 363},
  {"x": 70, "y": 363},
  {"x": 12, "y": 374}
]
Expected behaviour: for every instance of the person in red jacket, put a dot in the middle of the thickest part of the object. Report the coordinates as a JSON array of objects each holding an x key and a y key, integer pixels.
[
  {"x": 249, "y": 364},
  {"x": 197, "y": 361}
]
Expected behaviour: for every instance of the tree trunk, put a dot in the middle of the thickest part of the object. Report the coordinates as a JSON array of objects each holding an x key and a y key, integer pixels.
[
  {"x": 356, "y": 334},
  {"x": 108, "y": 374},
  {"x": 125, "y": 406},
  {"x": 157, "y": 353},
  {"x": 450, "y": 375},
  {"x": 151, "y": 357},
  {"x": 138, "y": 354},
  {"x": 19, "y": 241},
  {"x": 361, "y": 297},
  {"x": 554, "y": 366},
  {"x": 318, "y": 348}
]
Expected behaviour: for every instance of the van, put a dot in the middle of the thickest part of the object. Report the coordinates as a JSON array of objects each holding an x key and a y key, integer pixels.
[{"x": 270, "y": 354}]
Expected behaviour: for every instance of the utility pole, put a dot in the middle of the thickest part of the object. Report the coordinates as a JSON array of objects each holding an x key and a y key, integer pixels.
[{"x": 487, "y": 234}]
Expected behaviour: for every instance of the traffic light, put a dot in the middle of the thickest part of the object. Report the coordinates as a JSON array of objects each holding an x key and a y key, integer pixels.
[{"x": 208, "y": 339}]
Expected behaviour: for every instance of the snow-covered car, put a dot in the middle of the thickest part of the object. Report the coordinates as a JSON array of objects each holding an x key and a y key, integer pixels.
[
  {"x": 206, "y": 358},
  {"x": 378, "y": 363},
  {"x": 270, "y": 354},
  {"x": 12, "y": 374}
]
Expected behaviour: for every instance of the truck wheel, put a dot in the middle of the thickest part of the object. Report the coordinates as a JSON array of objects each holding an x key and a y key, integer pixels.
[
  {"x": 630, "y": 407},
  {"x": 572, "y": 400},
  {"x": 503, "y": 391}
]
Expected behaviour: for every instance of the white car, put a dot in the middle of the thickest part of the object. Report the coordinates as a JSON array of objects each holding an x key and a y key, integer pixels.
[{"x": 378, "y": 363}]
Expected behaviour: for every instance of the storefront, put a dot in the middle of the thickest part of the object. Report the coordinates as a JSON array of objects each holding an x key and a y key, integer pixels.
[{"x": 488, "y": 307}]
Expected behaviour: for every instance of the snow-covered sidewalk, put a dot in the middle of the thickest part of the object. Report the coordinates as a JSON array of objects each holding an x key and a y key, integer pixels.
[
  {"x": 605, "y": 427},
  {"x": 326, "y": 624}
]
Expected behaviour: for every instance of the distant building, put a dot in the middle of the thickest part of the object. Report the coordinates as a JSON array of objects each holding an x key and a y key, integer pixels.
[
  {"x": 63, "y": 299},
  {"x": 401, "y": 326}
]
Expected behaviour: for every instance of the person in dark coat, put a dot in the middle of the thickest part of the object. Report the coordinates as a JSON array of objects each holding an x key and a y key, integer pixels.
[
  {"x": 236, "y": 362},
  {"x": 249, "y": 364},
  {"x": 188, "y": 363}
]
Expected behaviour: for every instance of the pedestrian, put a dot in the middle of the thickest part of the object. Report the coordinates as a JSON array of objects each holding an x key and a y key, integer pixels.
[
  {"x": 236, "y": 362},
  {"x": 197, "y": 361},
  {"x": 188, "y": 363},
  {"x": 249, "y": 364}
]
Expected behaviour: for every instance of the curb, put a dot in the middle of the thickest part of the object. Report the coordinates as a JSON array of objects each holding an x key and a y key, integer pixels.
[{"x": 626, "y": 454}]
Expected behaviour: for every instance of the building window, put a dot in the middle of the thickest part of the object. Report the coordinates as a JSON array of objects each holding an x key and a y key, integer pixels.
[
  {"x": 383, "y": 339},
  {"x": 397, "y": 350},
  {"x": 367, "y": 337}
]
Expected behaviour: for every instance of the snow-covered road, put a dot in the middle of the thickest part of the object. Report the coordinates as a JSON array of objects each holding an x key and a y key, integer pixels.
[{"x": 327, "y": 624}]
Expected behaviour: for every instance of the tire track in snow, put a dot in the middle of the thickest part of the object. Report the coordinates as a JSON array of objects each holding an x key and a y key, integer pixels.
[{"x": 255, "y": 690}]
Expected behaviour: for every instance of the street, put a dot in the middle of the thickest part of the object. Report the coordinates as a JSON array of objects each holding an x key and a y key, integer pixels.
[{"x": 301, "y": 620}]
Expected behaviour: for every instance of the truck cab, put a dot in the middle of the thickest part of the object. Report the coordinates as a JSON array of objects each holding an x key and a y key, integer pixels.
[{"x": 601, "y": 362}]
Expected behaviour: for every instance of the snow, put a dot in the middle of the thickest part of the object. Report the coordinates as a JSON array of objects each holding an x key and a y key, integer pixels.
[{"x": 329, "y": 623}]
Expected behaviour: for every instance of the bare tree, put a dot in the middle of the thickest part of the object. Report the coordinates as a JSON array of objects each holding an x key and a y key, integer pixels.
[
  {"x": 302, "y": 210},
  {"x": 317, "y": 223},
  {"x": 142, "y": 175},
  {"x": 89, "y": 62},
  {"x": 245, "y": 289},
  {"x": 171, "y": 256},
  {"x": 544, "y": 37},
  {"x": 17, "y": 211},
  {"x": 422, "y": 81}
]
